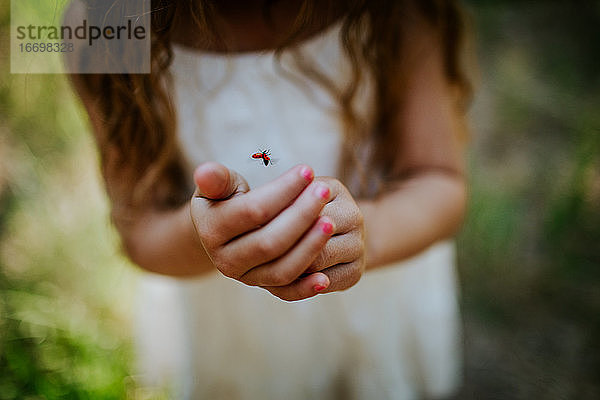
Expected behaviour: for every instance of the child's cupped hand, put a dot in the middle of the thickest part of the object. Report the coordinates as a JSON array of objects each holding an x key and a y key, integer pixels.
[{"x": 295, "y": 236}]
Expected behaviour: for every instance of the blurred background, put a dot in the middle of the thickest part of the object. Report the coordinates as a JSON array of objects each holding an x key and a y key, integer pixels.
[{"x": 529, "y": 252}]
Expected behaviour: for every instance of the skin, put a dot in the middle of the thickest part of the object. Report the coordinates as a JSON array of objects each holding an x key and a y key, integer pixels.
[
  {"x": 276, "y": 236},
  {"x": 279, "y": 236}
]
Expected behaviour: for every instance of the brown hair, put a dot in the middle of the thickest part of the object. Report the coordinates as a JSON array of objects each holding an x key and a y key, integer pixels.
[{"x": 139, "y": 119}]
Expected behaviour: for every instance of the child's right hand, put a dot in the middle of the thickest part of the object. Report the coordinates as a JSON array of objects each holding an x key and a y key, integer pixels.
[{"x": 274, "y": 230}]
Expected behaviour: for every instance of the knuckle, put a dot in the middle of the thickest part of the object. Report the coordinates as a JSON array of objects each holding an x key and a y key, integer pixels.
[
  {"x": 282, "y": 277},
  {"x": 355, "y": 273},
  {"x": 355, "y": 224},
  {"x": 353, "y": 277},
  {"x": 358, "y": 245},
  {"x": 333, "y": 183},
  {"x": 308, "y": 209},
  {"x": 269, "y": 248},
  {"x": 321, "y": 260},
  {"x": 336, "y": 185},
  {"x": 255, "y": 213},
  {"x": 355, "y": 219},
  {"x": 315, "y": 265}
]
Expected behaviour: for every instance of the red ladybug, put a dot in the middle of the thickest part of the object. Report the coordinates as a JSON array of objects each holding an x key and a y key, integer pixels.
[{"x": 264, "y": 155}]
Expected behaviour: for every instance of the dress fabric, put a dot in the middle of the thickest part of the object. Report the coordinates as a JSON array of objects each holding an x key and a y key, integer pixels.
[{"x": 394, "y": 335}]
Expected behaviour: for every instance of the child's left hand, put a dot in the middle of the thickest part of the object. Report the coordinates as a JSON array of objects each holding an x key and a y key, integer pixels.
[{"x": 343, "y": 257}]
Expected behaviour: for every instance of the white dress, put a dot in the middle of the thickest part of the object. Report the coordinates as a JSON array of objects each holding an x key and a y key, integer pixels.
[{"x": 394, "y": 335}]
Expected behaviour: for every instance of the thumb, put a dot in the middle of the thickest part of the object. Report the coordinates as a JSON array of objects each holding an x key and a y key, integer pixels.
[{"x": 216, "y": 182}]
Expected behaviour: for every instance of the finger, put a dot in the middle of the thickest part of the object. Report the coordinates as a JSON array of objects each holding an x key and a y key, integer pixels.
[
  {"x": 346, "y": 214},
  {"x": 342, "y": 276},
  {"x": 301, "y": 288},
  {"x": 286, "y": 269},
  {"x": 215, "y": 181},
  {"x": 251, "y": 210},
  {"x": 339, "y": 249},
  {"x": 278, "y": 236}
]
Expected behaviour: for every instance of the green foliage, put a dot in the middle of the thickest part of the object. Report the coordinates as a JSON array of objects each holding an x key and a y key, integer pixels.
[
  {"x": 529, "y": 252},
  {"x": 64, "y": 291}
]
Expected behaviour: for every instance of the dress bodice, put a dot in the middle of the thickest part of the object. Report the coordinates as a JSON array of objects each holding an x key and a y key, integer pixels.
[{"x": 231, "y": 106}]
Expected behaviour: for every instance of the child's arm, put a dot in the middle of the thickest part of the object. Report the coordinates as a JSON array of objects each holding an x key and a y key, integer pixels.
[
  {"x": 427, "y": 201},
  {"x": 429, "y": 204},
  {"x": 164, "y": 242},
  {"x": 424, "y": 209}
]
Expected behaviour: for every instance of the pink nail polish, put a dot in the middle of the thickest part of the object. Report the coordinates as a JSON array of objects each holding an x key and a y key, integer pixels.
[
  {"x": 318, "y": 288},
  {"x": 307, "y": 173},
  {"x": 327, "y": 228},
  {"x": 323, "y": 192}
]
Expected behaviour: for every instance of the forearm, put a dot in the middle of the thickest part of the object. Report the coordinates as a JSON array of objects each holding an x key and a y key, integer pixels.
[
  {"x": 165, "y": 243},
  {"x": 419, "y": 212}
]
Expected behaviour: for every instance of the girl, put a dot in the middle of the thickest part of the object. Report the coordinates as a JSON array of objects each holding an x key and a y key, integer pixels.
[{"x": 361, "y": 103}]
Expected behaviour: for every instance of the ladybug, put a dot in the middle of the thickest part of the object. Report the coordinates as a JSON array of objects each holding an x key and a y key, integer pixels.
[{"x": 264, "y": 155}]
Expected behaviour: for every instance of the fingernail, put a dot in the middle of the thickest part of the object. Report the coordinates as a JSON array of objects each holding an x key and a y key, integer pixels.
[
  {"x": 318, "y": 288},
  {"x": 307, "y": 173},
  {"x": 327, "y": 227},
  {"x": 322, "y": 192}
]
